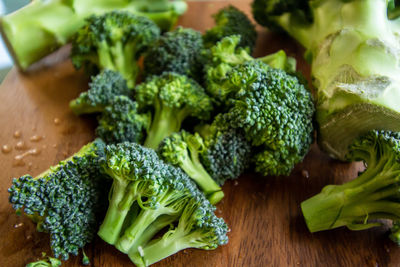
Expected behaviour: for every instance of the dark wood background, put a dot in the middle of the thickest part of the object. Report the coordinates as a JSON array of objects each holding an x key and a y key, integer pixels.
[{"x": 263, "y": 213}]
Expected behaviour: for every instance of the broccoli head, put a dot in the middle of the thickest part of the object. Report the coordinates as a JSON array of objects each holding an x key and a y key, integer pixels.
[
  {"x": 373, "y": 195},
  {"x": 353, "y": 50},
  {"x": 231, "y": 21},
  {"x": 103, "y": 88},
  {"x": 121, "y": 121},
  {"x": 275, "y": 112},
  {"x": 46, "y": 199},
  {"x": 113, "y": 41},
  {"x": 173, "y": 98},
  {"x": 178, "y": 51},
  {"x": 147, "y": 196},
  {"x": 183, "y": 149}
]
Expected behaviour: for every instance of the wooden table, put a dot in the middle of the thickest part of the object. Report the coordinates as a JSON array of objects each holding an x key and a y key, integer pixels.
[{"x": 263, "y": 213}]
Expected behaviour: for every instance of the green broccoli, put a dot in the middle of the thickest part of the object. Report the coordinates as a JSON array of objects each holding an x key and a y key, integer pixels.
[
  {"x": 41, "y": 27},
  {"x": 46, "y": 199},
  {"x": 113, "y": 41},
  {"x": 46, "y": 262},
  {"x": 183, "y": 149},
  {"x": 148, "y": 195},
  {"x": 225, "y": 55},
  {"x": 178, "y": 51},
  {"x": 353, "y": 49},
  {"x": 120, "y": 122},
  {"x": 173, "y": 98},
  {"x": 103, "y": 88},
  {"x": 275, "y": 113},
  {"x": 373, "y": 195},
  {"x": 231, "y": 21}
]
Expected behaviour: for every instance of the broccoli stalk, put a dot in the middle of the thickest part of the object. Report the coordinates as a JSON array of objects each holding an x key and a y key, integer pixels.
[
  {"x": 373, "y": 195},
  {"x": 353, "y": 49},
  {"x": 183, "y": 149},
  {"x": 40, "y": 198},
  {"x": 173, "y": 98},
  {"x": 198, "y": 227},
  {"x": 41, "y": 27}
]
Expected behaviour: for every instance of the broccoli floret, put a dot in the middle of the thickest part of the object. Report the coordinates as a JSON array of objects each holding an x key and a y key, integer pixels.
[
  {"x": 41, "y": 27},
  {"x": 179, "y": 51},
  {"x": 275, "y": 113},
  {"x": 183, "y": 149},
  {"x": 103, "y": 88},
  {"x": 173, "y": 98},
  {"x": 198, "y": 227},
  {"x": 231, "y": 21},
  {"x": 225, "y": 55},
  {"x": 46, "y": 199},
  {"x": 48, "y": 262},
  {"x": 156, "y": 193},
  {"x": 121, "y": 121},
  {"x": 353, "y": 50},
  {"x": 114, "y": 41},
  {"x": 227, "y": 152},
  {"x": 373, "y": 195}
]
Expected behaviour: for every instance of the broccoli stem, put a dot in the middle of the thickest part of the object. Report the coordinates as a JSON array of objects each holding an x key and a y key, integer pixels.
[
  {"x": 193, "y": 167},
  {"x": 166, "y": 121},
  {"x": 164, "y": 247},
  {"x": 110, "y": 229}
]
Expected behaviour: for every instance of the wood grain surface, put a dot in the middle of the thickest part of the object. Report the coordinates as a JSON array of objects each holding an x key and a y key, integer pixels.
[{"x": 263, "y": 213}]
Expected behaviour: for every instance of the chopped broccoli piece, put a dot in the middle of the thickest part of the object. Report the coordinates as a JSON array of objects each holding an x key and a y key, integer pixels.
[
  {"x": 147, "y": 196},
  {"x": 373, "y": 195},
  {"x": 183, "y": 149},
  {"x": 41, "y": 27},
  {"x": 231, "y": 21},
  {"x": 275, "y": 113},
  {"x": 178, "y": 51},
  {"x": 198, "y": 227},
  {"x": 46, "y": 199},
  {"x": 113, "y": 41},
  {"x": 49, "y": 262},
  {"x": 353, "y": 50},
  {"x": 173, "y": 98},
  {"x": 120, "y": 122},
  {"x": 225, "y": 55},
  {"x": 85, "y": 258},
  {"x": 103, "y": 88}
]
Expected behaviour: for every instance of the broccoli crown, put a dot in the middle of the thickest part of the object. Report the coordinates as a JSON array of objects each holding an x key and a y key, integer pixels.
[
  {"x": 46, "y": 199},
  {"x": 121, "y": 121},
  {"x": 373, "y": 195},
  {"x": 275, "y": 112},
  {"x": 231, "y": 21},
  {"x": 173, "y": 97},
  {"x": 227, "y": 152},
  {"x": 114, "y": 41},
  {"x": 183, "y": 149},
  {"x": 178, "y": 51},
  {"x": 198, "y": 227},
  {"x": 103, "y": 88}
]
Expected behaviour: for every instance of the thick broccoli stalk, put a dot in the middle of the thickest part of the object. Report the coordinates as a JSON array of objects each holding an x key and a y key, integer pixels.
[
  {"x": 178, "y": 51},
  {"x": 275, "y": 112},
  {"x": 113, "y": 41},
  {"x": 41, "y": 27},
  {"x": 183, "y": 149},
  {"x": 103, "y": 88},
  {"x": 198, "y": 227},
  {"x": 121, "y": 122},
  {"x": 46, "y": 199},
  {"x": 227, "y": 152},
  {"x": 353, "y": 47},
  {"x": 231, "y": 21},
  {"x": 226, "y": 55},
  {"x": 173, "y": 98},
  {"x": 373, "y": 195}
]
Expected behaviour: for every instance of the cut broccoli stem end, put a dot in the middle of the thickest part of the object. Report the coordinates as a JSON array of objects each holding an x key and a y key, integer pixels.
[{"x": 110, "y": 229}]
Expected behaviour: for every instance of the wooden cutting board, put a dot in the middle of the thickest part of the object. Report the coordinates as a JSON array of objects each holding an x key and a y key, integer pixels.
[{"x": 37, "y": 130}]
